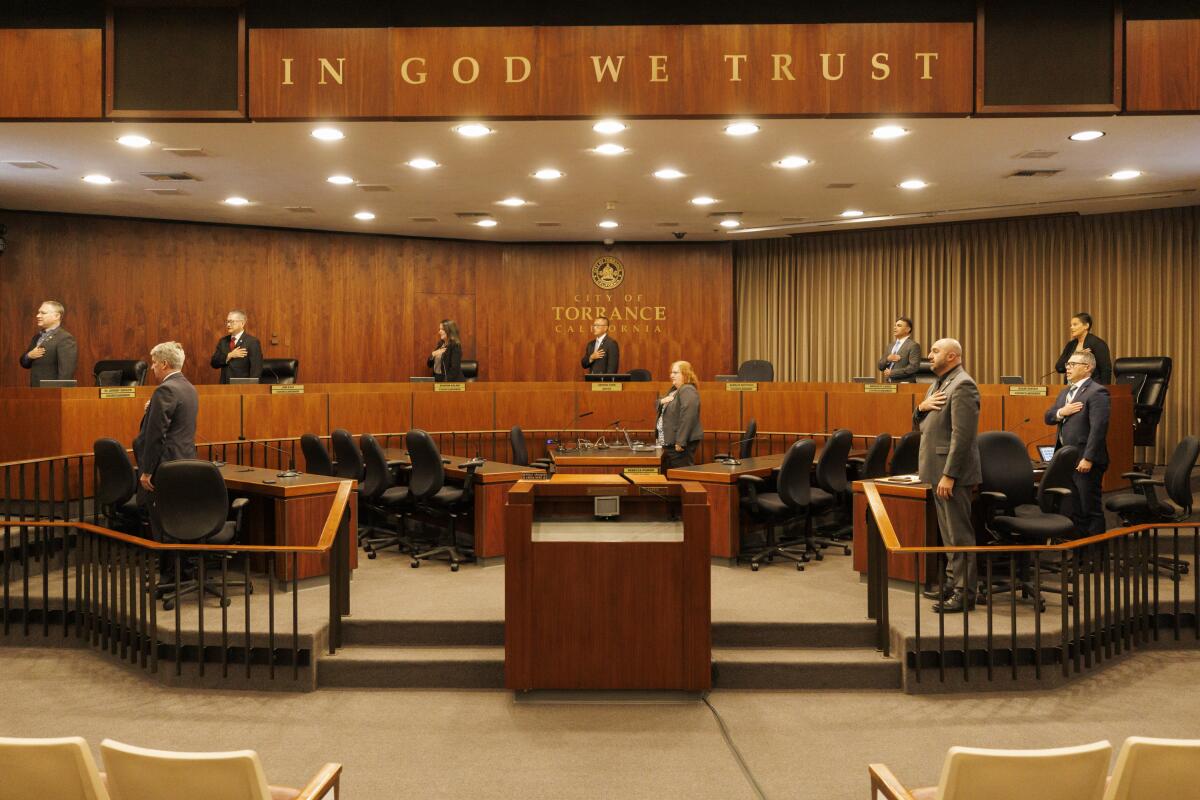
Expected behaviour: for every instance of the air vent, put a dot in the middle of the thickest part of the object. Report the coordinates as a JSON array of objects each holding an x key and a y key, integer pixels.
[
  {"x": 724, "y": 214},
  {"x": 471, "y": 214},
  {"x": 373, "y": 187},
  {"x": 169, "y": 176},
  {"x": 422, "y": 219},
  {"x": 30, "y": 165},
  {"x": 839, "y": 186},
  {"x": 1037, "y": 154},
  {"x": 792, "y": 219},
  {"x": 166, "y": 191},
  {"x": 1035, "y": 173},
  {"x": 667, "y": 224},
  {"x": 548, "y": 224},
  {"x": 301, "y": 209},
  {"x": 186, "y": 152}
]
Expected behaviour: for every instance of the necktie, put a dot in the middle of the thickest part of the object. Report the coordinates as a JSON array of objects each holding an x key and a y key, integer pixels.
[
  {"x": 1071, "y": 392},
  {"x": 895, "y": 348}
]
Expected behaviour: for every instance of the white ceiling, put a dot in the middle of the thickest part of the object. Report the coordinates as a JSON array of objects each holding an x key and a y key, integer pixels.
[{"x": 276, "y": 165}]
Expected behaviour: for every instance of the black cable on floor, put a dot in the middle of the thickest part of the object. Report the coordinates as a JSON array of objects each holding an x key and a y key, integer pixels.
[{"x": 737, "y": 754}]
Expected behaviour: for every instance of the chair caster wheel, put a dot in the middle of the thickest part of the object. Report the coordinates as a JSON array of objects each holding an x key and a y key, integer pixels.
[
  {"x": 845, "y": 551},
  {"x": 820, "y": 556},
  {"x": 799, "y": 568},
  {"x": 454, "y": 567},
  {"x": 224, "y": 602},
  {"x": 168, "y": 605},
  {"x": 415, "y": 564},
  {"x": 754, "y": 567},
  {"x": 371, "y": 554}
]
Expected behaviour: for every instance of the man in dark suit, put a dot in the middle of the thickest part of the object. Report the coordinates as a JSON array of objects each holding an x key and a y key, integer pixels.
[
  {"x": 602, "y": 355},
  {"x": 168, "y": 429},
  {"x": 901, "y": 362},
  {"x": 52, "y": 353},
  {"x": 948, "y": 418},
  {"x": 1081, "y": 413},
  {"x": 238, "y": 355}
]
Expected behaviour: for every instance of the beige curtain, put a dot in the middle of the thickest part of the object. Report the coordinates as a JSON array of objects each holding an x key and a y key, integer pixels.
[{"x": 821, "y": 306}]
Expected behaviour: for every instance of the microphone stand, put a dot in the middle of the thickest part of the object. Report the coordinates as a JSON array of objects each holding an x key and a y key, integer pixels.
[
  {"x": 290, "y": 472},
  {"x": 561, "y": 447}
]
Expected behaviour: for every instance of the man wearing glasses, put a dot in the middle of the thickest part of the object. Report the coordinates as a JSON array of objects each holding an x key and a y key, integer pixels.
[
  {"x": 238, "y": 355},
  {"x": 602, "y": 356},
  {"x": 1081, "y": 414}
]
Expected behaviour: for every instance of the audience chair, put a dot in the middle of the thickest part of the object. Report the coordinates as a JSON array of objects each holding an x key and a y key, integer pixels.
[
  {"x": 757, "y": 370},
  {"x": 833, "y": 490},
  {"x": 317, "y": 460},
  {"x": 430, "y": 494},
  {"x": 975, "y": 773},
  {"x": 906, "y": 456},
  {"x": 873, "y": 464},
  {"x": 129, "y": 372},
  {"x": 520, "y": 455},
  {"x": 380, "y": 498},
  {"x": 137, "y": 773},
  {"x": 640, "y": 375},
  {"x": 347, "y": 463},
  {"x": 1149, "y": 376},
  {"x": 791, "y": 502},
  {"x": 116, "y": 487},
  {"x": 50, "y": 769},
  {"x": 280, "y": 370},
  {"x": 192, "y": 507},
  {"x": 1156, "y": 768},
  {"x": 745, "y": 444}
]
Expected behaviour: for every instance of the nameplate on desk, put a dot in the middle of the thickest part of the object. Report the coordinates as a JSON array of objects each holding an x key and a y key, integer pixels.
[
  {"x": 641, "y": 470},
  {"x": 879, "y": 388},
  {"x": 608, "y": 491},
  {"x": 608, "y": 387},
  {"x": 741, "y": 387},
  {"x": 535, "y": 476},
  {"x": 287, "y": 388},
  {"x": 449, "y": 387},
  {"x": 1027, "y": 391},
  {"x": 116, "y": 392}
]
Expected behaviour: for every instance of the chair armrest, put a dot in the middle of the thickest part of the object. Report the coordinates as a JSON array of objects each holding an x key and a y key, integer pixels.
[
  {"x": 1149, "y": 482},
  {"x": 240, "y": 502},
  {"x": 1057, "y": 495},
  {"x": 1129, "y": 476},
  {"x": 856, "y": 461},
  {"x": 885, "y": 786},
  {"x": 992, "y": 503},
  {"x": 327, "y": 777},
  {"x": 751, "y": 484}
]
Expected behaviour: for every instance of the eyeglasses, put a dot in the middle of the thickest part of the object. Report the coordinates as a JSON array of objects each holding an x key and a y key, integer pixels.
[
  {"x": 599, "y": 324},
  {"x": 1077, "y": 363}
]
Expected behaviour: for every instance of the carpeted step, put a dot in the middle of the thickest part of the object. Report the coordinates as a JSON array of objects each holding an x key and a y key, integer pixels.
[
  {"x": 423, "y": 633},
  {"x": 803, "y": 668},
  {"x": 794, "y": 634},
  {"x": 413, "y": 667}
]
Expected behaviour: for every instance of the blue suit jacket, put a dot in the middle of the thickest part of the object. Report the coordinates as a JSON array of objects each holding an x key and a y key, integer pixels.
[{"x": 1088, "y": 429}]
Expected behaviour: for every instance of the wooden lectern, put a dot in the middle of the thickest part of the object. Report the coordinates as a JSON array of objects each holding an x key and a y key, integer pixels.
[{"x": 622, "y": 604}]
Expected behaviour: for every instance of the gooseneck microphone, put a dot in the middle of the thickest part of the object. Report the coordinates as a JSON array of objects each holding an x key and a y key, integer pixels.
[
  {"x": 290, "y": 472},
  {"x": 561, "y": 447}
]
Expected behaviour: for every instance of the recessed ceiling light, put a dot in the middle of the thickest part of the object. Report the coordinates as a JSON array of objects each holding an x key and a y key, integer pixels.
[
  {"x": 668, "y": 174},
  {"x": 741, "y": 128},
  {"x": 792, "y": 162},
  {"x": 1085, "y": 136},
  {"x": 703, "y": 201},
  {"x": 1122, "y": 174},
  {"x": 487, "y": 223},
  {"x": 889, "y": 132},
  {"x": 423, "y": 163},
  {"x": 913, "y": 183},
  {"x": 133, "y": 140},
  {"x": 473, "y": 130},
  {"x": 609, "y": 149},
  {"x": 328, "y": 134},
  {"x": 365, "y": 216},
  {"x": 99, "y": 180},
  {"x": 513, "y": 202},
  {"x": 236, "y": 201},
  {"x": 340, "y": 180},
  {"x": 608, "y": 223},
  {"x": 730, "y": 223},
  {"x": 548, "y": 174},
  {"x": 609, "y": 126},
  {"x": 852, "y": 212}
]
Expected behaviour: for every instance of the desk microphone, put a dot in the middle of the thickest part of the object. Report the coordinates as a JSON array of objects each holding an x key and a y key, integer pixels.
[
  {"x": 215, "y": 462},
  {"x": 1041, "y": 378},
  {"x": 274, "y": 374},
  {"x": 561, "y": 447},
  {"x": 290, "y": 472},
  {"x": 730, "y": 460}
]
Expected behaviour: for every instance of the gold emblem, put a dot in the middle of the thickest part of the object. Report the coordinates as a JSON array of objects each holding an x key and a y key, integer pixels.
[{"x": 608, "y": 272}]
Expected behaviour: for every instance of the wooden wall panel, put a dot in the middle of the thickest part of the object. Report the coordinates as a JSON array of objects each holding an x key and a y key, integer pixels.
[
  {"x": 313, "y": 91},
  {"x": 799, "y": 412},
  {"x": 284, "y": 415},
  {"x": 454, "y": 411},
  {"x": 1162, "y": 65},
  {"x": 720, "y": 410},
  {"x": 870, "y": 414},
  {"x": 533, "y": 410},
  {"x": 371, "y": 412},
  {"x": 54, "y": 73}
]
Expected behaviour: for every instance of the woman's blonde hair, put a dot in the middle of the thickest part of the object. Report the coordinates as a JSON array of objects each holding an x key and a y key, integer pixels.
[{"x": 685, "y": 369}]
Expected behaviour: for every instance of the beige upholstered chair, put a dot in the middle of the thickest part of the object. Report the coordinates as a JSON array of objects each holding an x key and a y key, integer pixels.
[
  {"x": 1156, "y": 768},
  {"x": 62, "y": 769},
  {"x": 136, "y": 773},
  {"x": 974, "y": 773}
]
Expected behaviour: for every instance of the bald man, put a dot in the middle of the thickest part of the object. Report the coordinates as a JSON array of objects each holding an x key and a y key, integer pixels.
[{"x": 948, "y": 418}]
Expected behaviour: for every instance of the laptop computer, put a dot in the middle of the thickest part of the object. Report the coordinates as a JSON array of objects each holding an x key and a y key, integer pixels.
[
  {"x": 236, "y": 381},
  {"x": 46, "y": 383},
  {"x": 1046, "y": 452},
  {"x": 1012, "y": 379}
]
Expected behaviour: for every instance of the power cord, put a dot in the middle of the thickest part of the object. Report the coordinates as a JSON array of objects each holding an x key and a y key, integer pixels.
[{"x": 737, "y": 754}]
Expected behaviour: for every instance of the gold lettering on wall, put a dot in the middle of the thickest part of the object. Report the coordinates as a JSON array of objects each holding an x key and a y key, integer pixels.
[
  {"x": 327, "y": 67},
  {"x": 407, "y": 76},
  {"x": 287, "y": 71},
  {"x": 783, "y": 63},
  {"x": 881, "y": 69},
  {"x": 456, "y": 69},
  {"x": 612, "y": 70},
  {"x": 735, "y": 66},
  {"x": 825, "y": 66},
  {"x": 509, "y": 61},
  {"x": 658, "y": 69},
  {"x": 925, "y": 59}
]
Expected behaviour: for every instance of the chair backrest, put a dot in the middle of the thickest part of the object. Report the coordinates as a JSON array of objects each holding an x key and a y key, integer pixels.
[
  {"x": 1155, "y": 768},
  {"x": 831, "y": 465},
  {"x": 280, "y": 370},
  {"x": 470, "y": 369},
  {"x": 428, "y": 474},
  {"x": 348, "y": 456},
  {"x": 115, "y": 471},
  {"x": 377, "y": 478},
  {"x": 191, "y": 502},
  {"x": 316, "y": 457},
  {"x": 756, "y": 369},
  {"x": 640, "y": 375},
  {"x": 1149, "y": 376},
  {"x": 1006, "y": 467},
  {"x": 924, "y": 373},
  {"x": 795, "y": 474},
  {"x": 875, "y": 462},
  {"x": 132, "y": 371},
  {"x": 1059, "y": 474},
  {"x": 1062, "y": 773},
  {"x": 520, "y": 454},
  {"x": 58, "y": 769},
  {"x": 1178, "y": 478},
  {"x": 907, "y": 456},
  {"x": 747, "y": 447},
  {"x": 138, "y": 772}
]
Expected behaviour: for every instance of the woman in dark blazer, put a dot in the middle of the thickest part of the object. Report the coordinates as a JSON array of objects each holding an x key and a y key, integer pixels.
[
  {"x": 678, "y": 426},
  {"x": 446, "y": 360},
  {"x": 1082, "y": 338}
]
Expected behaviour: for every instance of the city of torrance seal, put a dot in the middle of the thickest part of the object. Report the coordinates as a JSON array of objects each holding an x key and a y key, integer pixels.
[{"x": 608, "y": 272}]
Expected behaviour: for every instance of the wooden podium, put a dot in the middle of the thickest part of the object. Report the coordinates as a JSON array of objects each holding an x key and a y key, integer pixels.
[{"x": 623, "y": 604}]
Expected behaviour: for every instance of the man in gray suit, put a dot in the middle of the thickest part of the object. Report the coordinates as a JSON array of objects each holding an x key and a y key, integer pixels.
[
  {"x": 901, "y": 362},
  {"x": 168, "y": 430},
  {"x": 52, "y": 353},
  {"x": 948, "y": 418}
]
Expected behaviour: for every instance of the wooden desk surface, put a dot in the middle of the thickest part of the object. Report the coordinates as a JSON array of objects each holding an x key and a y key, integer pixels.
[
  {"x": 488, "y": 472},
  {"x": 256, "y": 480},
  {"x": 727, "y": 473},
  {"x": 609, "y": 457}
]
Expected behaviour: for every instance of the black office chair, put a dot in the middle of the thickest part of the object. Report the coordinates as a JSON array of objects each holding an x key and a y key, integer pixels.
[
  {"x": 280, "y": 370},
  {"x": 380, "y": 499},
  {"x": 317, "y": 460},
  {"x": 116, "y": 487},
  {"x": 470, "y": 369},
  {"x": 192, "y": 507},
  {"x": 1150, "y": 376},
  {"x": 640, "y": 375},
  {"x": 520, "y": 454},
  {"x": 924, "y": 373},
  {"x": 128, "y": 372},
  {"x": 429, "y": 493},
  {"x": 874, "y": 464},
  {"x": 907, "y": 455},
  {"x": 833, "y": 490},
  {"x": 790, "y": 503},
  {"x": 757, "y": 370},
  {"x": 348, "y": 465},
  {"x": 745, "y": 444}
]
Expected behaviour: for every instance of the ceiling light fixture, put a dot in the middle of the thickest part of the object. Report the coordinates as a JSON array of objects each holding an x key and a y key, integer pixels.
[
  {"x": 609, "y": 149},
  {"x": 852, "y": 212},
  {"x": 792, "y": 162},
  {"x": 328, "y": 134},
  {"x": 513, "y": 202},
  {"x": 889, "y": 132},
  {"x": 340, "y": 180},
  {"x": 548, "y": 174},
  {"x": 423, "y": 163},
  {"x": 133, "y": 140},
  {"x": 365, "y": 216},
  {"x": 1125, "y": 174},
  {"x": 473, "y": 130},
  {"x": 741, "y": 129},
  {"x": 703, "y": 200},
  {"x": 1085, "y": 136},
  {"x": 608, "y": 223},
  {"x": 730, "y": 223},
  {"x": 487, "y": 223},
  {"x": 609, "y": 126},
  {"x": 99, "y": 180},
  {"x": 236, "y": 201},
  {"x": 912, "y": 184},
  {"x": 668, "y": 174}
]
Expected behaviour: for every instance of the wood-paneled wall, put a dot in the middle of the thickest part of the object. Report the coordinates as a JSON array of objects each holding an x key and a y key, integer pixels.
[{"x": 354, "y": 308}]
